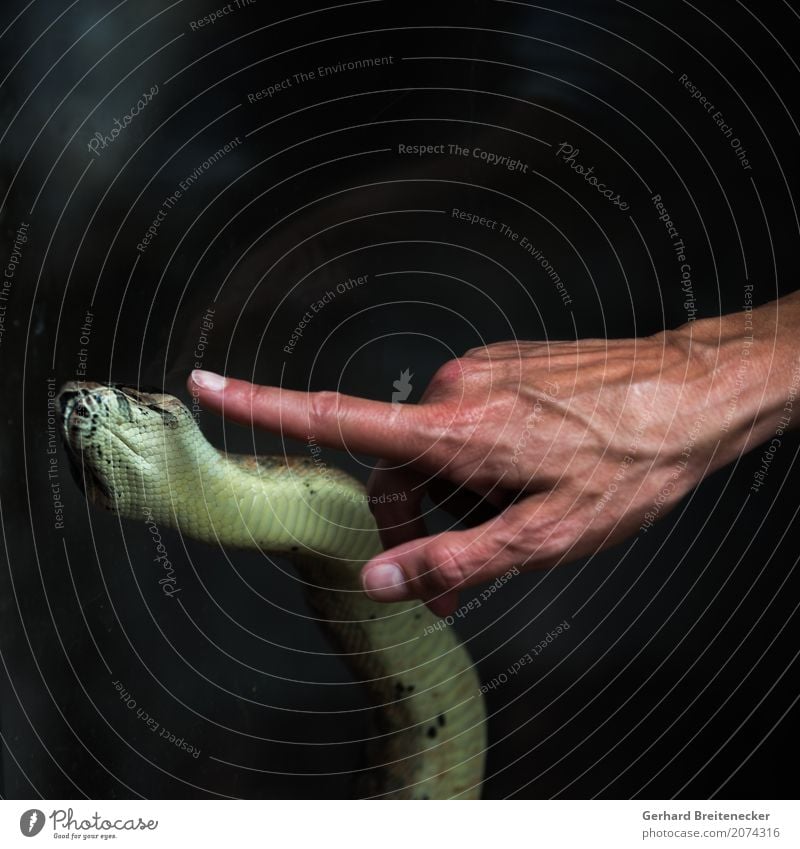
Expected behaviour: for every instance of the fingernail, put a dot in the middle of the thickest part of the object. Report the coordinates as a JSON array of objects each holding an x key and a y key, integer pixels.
[
  {"x": 386, "y": 582},
  {"x": 208, "y": 380}
]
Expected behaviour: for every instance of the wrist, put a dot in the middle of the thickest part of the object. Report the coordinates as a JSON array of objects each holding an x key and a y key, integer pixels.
[{"x": 752, "y": 358}]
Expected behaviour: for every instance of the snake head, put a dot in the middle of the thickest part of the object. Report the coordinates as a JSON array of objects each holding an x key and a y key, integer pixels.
[{"x": 114, "y": 436}]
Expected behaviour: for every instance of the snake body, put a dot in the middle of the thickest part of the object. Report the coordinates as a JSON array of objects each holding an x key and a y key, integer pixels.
[{"x": 142, "y": 454}]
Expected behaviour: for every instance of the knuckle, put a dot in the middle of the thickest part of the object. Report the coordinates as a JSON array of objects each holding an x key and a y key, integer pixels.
[
  {"x": 446, "y": 566},
  {"x": 448, "y": 374},
  {"x": 323, "y": 407}
]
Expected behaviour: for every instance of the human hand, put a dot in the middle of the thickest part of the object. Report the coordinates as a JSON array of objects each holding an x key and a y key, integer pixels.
[{"x": 577, "y": 444}]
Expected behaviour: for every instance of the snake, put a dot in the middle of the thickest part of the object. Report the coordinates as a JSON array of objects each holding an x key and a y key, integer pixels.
[{"x": 140, "y": 453}]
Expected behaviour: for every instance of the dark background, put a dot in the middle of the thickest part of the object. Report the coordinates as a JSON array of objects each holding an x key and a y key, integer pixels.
[{"x": 678, "y": 676}]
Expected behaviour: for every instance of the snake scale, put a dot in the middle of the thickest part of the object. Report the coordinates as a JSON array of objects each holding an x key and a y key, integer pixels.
[{"x": 141, "y": 453}]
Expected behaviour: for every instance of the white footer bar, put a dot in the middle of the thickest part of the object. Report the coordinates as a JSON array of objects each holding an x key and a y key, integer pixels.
[{"x": 393, "y": 825}]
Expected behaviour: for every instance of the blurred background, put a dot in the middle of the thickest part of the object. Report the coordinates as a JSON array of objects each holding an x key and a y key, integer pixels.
[{"x": 179, "y": 184}]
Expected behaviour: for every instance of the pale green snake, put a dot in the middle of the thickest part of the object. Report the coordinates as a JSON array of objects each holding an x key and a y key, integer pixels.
[{"x": 138, "y": 454}]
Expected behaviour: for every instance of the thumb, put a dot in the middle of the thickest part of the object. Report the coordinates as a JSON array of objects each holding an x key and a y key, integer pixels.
[{"x": 531, "y": 532}]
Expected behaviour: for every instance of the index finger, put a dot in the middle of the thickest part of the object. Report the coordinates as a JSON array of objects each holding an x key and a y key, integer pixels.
[{"x": 395, "y": 431}]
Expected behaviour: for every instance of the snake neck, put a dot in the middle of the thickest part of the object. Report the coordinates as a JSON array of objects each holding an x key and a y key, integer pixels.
[
  {"x": 279, "y": 504},
  {"x": 427, "y": 736}
]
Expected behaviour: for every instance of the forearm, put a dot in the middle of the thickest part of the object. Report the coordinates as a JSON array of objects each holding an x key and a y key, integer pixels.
[{"x": 754, "y": 357}]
